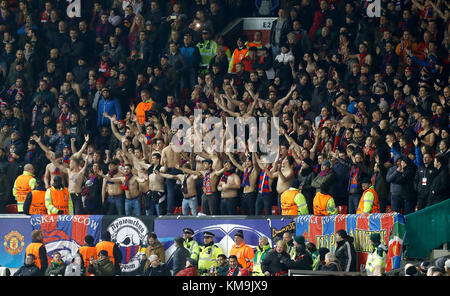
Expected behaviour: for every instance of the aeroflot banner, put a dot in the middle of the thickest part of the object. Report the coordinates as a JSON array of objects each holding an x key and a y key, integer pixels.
[{"x": 321, "y": 231}]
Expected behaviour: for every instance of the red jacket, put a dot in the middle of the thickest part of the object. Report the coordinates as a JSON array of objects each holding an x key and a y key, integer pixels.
[{"x": 190, "y": 271}]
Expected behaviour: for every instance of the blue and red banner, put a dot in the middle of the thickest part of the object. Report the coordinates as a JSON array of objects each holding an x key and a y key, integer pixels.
[
  {"x": 321, "y": 230},
  {"x": 66, "y": 233}
]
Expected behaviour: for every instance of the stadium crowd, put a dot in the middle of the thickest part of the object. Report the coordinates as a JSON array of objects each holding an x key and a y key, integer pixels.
[{"x": 87, "y": 105}]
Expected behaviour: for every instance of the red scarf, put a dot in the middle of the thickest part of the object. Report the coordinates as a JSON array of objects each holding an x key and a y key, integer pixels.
[
  {"x": 127, "y": 179},
  {"x": 225, "y": 176}
]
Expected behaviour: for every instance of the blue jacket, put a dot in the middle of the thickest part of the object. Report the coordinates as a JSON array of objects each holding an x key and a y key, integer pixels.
[{"x": 111, "y": 107}]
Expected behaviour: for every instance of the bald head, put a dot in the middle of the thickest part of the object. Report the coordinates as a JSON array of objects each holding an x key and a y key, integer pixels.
[{"x": 29, "y": 168}]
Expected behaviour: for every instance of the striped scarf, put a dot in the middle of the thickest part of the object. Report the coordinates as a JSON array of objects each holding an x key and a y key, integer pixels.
[
  {"x": 245, "y": 180},
  {"x": 124, "y": 186},
  {"x": 30, "y": 155},
  {"x": 66, "y": 159},
  {"x": 225, "y": 176},
  {"x": 150, "y": 137},
  {"x": 354, "y": 175},
  {"x": 324, "y": 172},
  {"x": 111, "y": 174},
  {"x": 207, "y": 183},
  {"x": 263, "y": 185},
  {"x": 372, "y": 180}
]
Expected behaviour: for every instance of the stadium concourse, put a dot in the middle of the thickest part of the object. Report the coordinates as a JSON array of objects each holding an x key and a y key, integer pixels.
[{"x": 116, "y": 139}]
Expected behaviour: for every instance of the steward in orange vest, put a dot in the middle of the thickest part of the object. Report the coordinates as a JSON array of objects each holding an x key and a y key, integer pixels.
[
  {"x": 323, "y": 203},
  {"x": 24, "y": 184},
  {"x": 88, "y": 251},
  {"x": 57, "y": 199},
  {"x": 244, "y": 253},
  {"x": 293, "y": 202},
  {"x": 114, "y": 253},
  {"x": 35, "y": 201},
  {"x": 368, "y": 204},
  {"x": 37, "y": 248},
  {"x": 146, "y": 105},
  {"x": 238, "y": 54}
]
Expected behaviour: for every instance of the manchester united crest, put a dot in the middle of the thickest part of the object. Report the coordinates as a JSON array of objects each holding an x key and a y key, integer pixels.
[{"x": 14, "y": 242}]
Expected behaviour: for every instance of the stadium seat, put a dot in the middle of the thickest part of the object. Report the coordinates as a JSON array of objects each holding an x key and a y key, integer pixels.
[
  {"x": 11, "y": 209},
  {"x": 275, "y": 211},
  {"x": 342, "y": 210}
]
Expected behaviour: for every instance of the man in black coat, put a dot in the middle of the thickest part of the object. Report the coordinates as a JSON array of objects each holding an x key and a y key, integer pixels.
[
  {"x": 440, "y": 187},
  {"x": 29, "y": 268},
  {"x": 423, "y": 180},
  {"x": 180, "y": 255},
  {"x": 302, "y": 259},
  {"x": 272, "y": 264},
  {"x": 345, "y": 251},
  {"x": 156, "y": 268}
]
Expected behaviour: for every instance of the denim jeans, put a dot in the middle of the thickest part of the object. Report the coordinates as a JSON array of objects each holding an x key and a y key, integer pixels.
[
  {"x": 397, "y": 203},
  {"x": 191, "y": 205},
  {"x": 228, "y": 206},
  {"x": 133, "y": 205},
  {"x": 115, "y": 205},
  {"x": 210, "y": 204},
  {"x": 153, "y": 209},
  {"x": 248, "y": 202},
  {"x": 353, "y": 202},
  {"x": 263, "y": 201},
  {"x": 171, "y": 189}
]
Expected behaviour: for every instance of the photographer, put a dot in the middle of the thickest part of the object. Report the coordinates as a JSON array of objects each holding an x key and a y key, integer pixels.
[{"x": 102, "y": 266}]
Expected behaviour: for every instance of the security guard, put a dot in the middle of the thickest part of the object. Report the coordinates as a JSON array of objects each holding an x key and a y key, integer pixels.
[
  {"x": 190, "y": 243},
  {"x": 243, "y": 252},
  {"x": 323, "y": 203},
  {"x": 209, "y": 254},
  {"x": 24, "y": 184},
  {"x": 207, "y": 49},
  {"x": 293, "y": 202},
  {"x": 261, "y": 250},
  {"x": 37, "y": 248},
  {"x": 88, "y": 252},
  {"x": 378, "y": 254},
  {"x": 368, "y": 204},
  {"x": 35, "y": 201},
  {"x": 57, "y": 199}
]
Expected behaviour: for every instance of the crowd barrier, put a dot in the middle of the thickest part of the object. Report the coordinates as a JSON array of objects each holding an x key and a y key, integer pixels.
[{"x": 65, "y": 233}]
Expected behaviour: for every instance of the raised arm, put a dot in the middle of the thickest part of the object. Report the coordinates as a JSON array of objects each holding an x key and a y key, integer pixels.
[
  {"x": 85, "y": 144},
  {"x": 234, "y": 162},
  {"x": 43, "y": 147}
]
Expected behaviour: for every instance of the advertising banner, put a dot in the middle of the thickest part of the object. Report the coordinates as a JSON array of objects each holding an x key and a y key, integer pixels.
[
  {"x": 15, "y": 234},
  {"x": 224, "y": 230},
  {"x": 131, "y": 234},
  {"x": 321, "y": 230},
  {"x": 66, "y": 233}
]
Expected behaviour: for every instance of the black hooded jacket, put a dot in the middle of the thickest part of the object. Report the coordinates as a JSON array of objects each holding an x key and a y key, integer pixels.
[{"x": 345, "y": 252}]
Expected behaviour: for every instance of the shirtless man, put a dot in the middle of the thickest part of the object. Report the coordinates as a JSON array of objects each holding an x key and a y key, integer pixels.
[
  {"x": 75, "y": 175},
  {"x": 284, "y": 175},
  {"x": 155, "y": 199},
  {"x": 170, "y": 160},
  {"x": 189, "y": 188},
  {"x": 130, "y": 184},
  {"x": 249, "y": 183},
  {"x": 229, "y": 185},
  {"x": 264, "y": 197},
  {"x": 112, "y": 192},
  {"x": 210, "y": 197},
  {"x": 51, "y": 170},
  {"x": 76, "y": 180}
]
